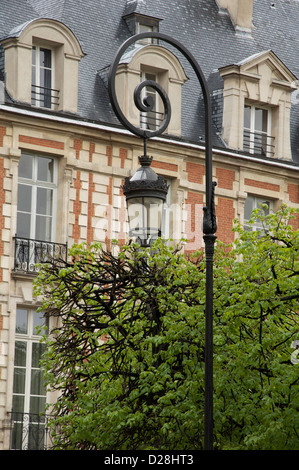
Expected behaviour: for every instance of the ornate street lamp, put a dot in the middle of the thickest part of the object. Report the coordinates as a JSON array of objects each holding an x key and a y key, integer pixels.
[
  {"x": 147, "y": 189},
  {"x": 145, "y": 195}
]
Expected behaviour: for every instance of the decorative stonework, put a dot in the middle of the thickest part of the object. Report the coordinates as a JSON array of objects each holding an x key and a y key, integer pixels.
[{"x": 264, "y": 80}]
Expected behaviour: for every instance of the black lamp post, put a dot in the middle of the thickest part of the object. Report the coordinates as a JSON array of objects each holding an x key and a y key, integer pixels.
[{"x": 146, "y": 188}]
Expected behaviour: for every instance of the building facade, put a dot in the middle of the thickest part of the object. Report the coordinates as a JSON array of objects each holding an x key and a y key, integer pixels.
[{"x": 64, "y": 156}]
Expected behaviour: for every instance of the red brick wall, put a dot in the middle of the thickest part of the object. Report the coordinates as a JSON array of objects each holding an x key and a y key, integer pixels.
[
  {"x": 225, "y": 214},
  {"x": 2, "y": 134},
  {"x": 262, "y": 185},
  {"x": 42, "y": 142},
  {"x": 293, "y": 190},
  {"x": 164, "y": 165},
  {"x": 195, "y": 172},
  {"x": 225, "y": 177}
]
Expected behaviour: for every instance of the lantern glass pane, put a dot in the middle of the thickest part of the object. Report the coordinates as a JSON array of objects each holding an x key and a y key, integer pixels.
[{"x": 145, "y": 218}]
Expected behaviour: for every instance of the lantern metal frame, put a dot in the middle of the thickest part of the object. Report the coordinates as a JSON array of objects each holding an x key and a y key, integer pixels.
[{"x": 145, "y": 183}]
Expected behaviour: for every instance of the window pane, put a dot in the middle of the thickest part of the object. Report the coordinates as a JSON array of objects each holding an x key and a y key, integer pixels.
[
  {"x": 22, "y": 321},
  {"x": 45, "y": 58},
  {"x": 43, "y": 228},
  {"x": 247, "y": 111},
  {"x": 45, "y": 78},
  {"x": 261, "y": 116},
  {"x": 37, "y": 405},
  {"x": 38, "y": 320},
  {"x": 37, "y": 351},
  {"x": 24, "y": 197},
  {"x": 248, "y": 208},
  {"x": 25, "y": 166},
  {"x": 33, "y": 55},
  {"x": 44, "y": 201},
  {"x": 45, "y": 169},
  {"x": 19, "y": 380},
  {"x": 18, "y": 404},
  {"x": 265, "y": 210},
  {"x": 145, "y": 28},
  {"x": 20, "y": 353},
  {"x": 37, "y": 383},
  {"x": 23, "y": 225}
]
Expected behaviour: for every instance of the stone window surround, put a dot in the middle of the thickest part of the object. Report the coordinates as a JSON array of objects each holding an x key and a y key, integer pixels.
[
  {"x": 170, "y": 75},
  {"x": 18, "y": 59},
  {"x": 261, "y": 80}
]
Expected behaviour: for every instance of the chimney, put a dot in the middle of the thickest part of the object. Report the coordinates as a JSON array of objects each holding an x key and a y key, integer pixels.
[{"x": 240, "y": 12}]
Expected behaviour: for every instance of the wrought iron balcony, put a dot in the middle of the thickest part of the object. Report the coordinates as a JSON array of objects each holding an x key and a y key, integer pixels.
[
  {"x": 258, "y": 143},
  {"x": 29, "y": 432},
  {"x": 29, "y": 253},
  {"x": 44, "y": 97}
]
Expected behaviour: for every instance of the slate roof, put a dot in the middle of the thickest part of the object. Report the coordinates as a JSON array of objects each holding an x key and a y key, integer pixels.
[{"x": 197, "y": 24}]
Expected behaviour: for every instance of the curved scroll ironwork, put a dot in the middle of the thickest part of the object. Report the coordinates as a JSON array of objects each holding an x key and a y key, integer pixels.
[
  {"x": 147, "y": 104},
  {"x": 145, "y": 133}
]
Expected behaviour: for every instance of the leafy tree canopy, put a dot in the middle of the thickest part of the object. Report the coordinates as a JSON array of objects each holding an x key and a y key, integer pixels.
[{"x": 127, "y": 354}]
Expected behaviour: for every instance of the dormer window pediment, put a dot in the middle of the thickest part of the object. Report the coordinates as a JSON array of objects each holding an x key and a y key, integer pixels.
[{"x": 261, "y": 81}]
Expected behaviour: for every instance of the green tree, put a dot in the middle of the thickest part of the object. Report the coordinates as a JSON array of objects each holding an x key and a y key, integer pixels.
[
  {"x": 258, "y": 304},
  {"x": 127, "y": 355}
]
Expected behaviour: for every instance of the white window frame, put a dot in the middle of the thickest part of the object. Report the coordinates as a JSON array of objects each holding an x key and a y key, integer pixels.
[
  {"x": 35, "y": 184},
  {"x": 257, "y": 201},
  {"x": 38, "y": 99},
  {"x": 29, "y": 338},
  {"x": 257, "y": 133},
  {"x": 145, "y": 120}
]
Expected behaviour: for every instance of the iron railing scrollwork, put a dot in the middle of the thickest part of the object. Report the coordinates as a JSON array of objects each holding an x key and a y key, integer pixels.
[
  {"x": 29, "y": 431},
  {"x": 30, "y": 253}
]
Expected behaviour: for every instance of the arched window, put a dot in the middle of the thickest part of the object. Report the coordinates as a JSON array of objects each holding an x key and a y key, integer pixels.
[
  {"x": 155, "y": 63},
  {"x": 41, "y": 65}
]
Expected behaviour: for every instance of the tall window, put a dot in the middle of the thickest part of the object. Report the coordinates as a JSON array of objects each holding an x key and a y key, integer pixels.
[
  {"x": 29, "y": 394},
  {"x": 151, "y": 119},
  {"x": 36, "y": 197},
  {"x": 43, "y": 93},
  {"x": 251, "y": 203},
  {"x": 257, "y": 131}
]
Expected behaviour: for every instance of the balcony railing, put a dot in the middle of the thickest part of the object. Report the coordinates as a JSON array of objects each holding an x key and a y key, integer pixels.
[
  {"x": 151, "y": 120},
  {"x": 258, "y": 143},
  {"x": 44, "y": 97},
  {"x": 29, "y": 432},
  {"x": 29, "y": 253}
]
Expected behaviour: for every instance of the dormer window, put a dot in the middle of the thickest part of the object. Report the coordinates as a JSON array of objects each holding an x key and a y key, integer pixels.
[
  {"x": 41, "y": 65},
  {"x": 151, "y": 62},
  {"x": 257, "y": 105},
  {"x": 138, "y": 23},
  {"x": 43, "y": 93}
]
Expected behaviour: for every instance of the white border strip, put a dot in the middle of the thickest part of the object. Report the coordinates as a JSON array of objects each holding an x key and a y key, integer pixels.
[{"x": 115, "y": 130}]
